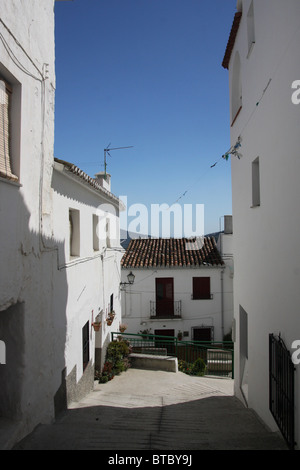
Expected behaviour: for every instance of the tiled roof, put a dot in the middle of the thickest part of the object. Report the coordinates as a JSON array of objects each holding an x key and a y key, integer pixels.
[
  {"x": 75, "y": 170},
  {"x": 232, "y": 38},
  {"x": 171, "y": 252}
]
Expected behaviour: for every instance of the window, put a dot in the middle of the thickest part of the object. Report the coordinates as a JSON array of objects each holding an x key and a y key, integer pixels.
[
  {"x": 255, "y": 183},
  {"x": 74, "y": 222},
  {"x": 95, "y": 232},
  {"x": 203, "y": 333},
  {"x": 201, "y": 288},
  {"x": 236, "y": 89},
  {"x": 85, "y": 345},
  {"x": 250, "y": 28},
  {"x": 107, "y": 231},
  {"x": 243, "y": 327},
  {"x": 5, "y": 141},
  {"x": 111, "y": 302}
]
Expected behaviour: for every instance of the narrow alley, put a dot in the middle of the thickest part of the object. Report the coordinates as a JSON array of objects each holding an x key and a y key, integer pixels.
[{"x": 154, "y": 410}]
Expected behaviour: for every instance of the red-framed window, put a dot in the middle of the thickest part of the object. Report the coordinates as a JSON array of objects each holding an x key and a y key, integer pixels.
[{"x": 201, "y": 288}]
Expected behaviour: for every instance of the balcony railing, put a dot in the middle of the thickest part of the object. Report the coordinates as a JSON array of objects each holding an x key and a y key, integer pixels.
[
  {"x": 165, "y": 309},
  {"x": 282, "y": 388},
  {"x": 217, "y": 356}
]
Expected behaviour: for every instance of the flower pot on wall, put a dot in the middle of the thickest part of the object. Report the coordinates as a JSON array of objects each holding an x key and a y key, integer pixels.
[
  {"x": 122, "y": 327},
  {"x": 96, "y": 326},
  {"x": 111, "y": 315}
]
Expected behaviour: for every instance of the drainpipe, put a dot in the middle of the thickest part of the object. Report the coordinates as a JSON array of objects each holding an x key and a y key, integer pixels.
[
  {"x": 222, "y": 288},
  {"x": 222, "y": 302}
]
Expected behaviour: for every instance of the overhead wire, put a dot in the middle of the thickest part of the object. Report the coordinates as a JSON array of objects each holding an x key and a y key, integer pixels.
[
  {"x": 15, "y": 59},
  {"x": 234, "y": 149}
]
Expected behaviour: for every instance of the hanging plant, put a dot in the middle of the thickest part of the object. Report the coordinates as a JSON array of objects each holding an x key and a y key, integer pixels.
[
  {"x": 96, "y": 325},
  {"x": 112, "y": 315},
  {"x": 123, "y": 327}
]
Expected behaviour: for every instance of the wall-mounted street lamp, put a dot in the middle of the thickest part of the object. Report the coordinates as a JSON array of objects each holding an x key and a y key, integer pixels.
[{"x": 130, "y": 277}]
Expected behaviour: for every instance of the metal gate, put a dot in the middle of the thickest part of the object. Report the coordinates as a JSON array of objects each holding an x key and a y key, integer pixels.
[
  {"x": 217, "y": 356},
  {"x": 281, "y": 388}
]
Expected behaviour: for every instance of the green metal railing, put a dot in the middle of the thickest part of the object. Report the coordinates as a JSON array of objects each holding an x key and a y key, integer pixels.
[{"x": 217, "y": 355}]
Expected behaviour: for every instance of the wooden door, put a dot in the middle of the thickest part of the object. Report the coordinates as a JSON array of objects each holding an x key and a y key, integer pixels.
[
  {"x": 202, "y": 334},
  {"x": 165, "y": 343},
  {"x": 164, "y": 297}
]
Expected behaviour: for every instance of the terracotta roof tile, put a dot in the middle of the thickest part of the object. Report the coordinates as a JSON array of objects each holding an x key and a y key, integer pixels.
[
  {"x": 70, "y": 167},
  {"x": 232, "y": 38},
  {"x": 171, "y": 252}
]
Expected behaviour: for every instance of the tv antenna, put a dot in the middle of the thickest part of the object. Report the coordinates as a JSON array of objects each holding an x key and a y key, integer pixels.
[{"x": 107, "y": 150}]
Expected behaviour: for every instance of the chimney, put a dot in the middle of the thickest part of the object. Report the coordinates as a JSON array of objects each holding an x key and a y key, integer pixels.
[
  {"x": 104, "y": 180},
  {"x": 228, "y": 224}
]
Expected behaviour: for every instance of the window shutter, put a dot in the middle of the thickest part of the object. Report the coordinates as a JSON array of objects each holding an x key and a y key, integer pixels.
[
  {"x": 5, "y": 166},
  {"x": 201, "y": 287}
]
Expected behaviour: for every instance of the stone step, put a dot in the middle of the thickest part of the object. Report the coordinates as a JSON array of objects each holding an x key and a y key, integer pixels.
[{"x": 152, "y": 362}]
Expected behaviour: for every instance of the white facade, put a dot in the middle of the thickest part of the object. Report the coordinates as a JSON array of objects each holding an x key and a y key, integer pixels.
[
  {"x": 263, "y": 66},
  {"x": 196, "y": 319},
  {"x": 51, "y": 289},
  {"x": 89, "y": 261},
  {"x": 28, "y": 377}
]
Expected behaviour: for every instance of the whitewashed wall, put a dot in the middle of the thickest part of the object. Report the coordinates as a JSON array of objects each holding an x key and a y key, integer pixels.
[
  {"x": 266, "y": 238},
  {"x": 26, "y": 321},
  {"x": 195, "y": 313},
  {"x": 91, "y": 278}
]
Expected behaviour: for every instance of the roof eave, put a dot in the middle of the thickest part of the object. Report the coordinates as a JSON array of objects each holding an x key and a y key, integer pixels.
[
  {"x": 68, "y": 170},
  {"x": 232, "y": 39}
]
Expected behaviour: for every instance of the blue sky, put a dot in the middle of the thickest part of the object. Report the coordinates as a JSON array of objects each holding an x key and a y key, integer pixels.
[{"x": 147, "y": 74}]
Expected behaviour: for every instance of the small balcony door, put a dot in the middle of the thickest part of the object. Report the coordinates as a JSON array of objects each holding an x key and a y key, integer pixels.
[{"x": 164, "y": 297}]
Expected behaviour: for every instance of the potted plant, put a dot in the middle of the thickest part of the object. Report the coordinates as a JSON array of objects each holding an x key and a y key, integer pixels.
[
  {"x": 96, "y": 325},
  {"x": 179, "y": 335},
  {"x": 112, "y": 315},
  {"x": 123, "y": 327},
  {"x": 145, "y": 333}
]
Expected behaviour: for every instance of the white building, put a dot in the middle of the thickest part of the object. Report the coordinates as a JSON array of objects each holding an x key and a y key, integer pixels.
[
  {"x": 177, "y": 289},
  {"x": 27, "y": 84},
  {"x": 264, "y": 72},
  {"x": 60, "y": 249},
  {"x": 87, "y": 280}
]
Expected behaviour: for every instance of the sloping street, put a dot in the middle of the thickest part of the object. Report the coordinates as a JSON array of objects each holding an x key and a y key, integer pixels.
[{"x": 155, "y": 410}]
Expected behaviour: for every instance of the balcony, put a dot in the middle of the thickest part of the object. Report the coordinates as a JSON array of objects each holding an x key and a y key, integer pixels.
[{"x": 165, "y": 309}]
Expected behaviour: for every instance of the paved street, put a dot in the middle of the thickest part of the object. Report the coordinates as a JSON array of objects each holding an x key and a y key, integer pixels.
[{"x": 155, "y": 410}]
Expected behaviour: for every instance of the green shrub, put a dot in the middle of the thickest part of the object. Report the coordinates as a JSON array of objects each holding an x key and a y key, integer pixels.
[
  {"x": 116, "y": 360},
  {"x": 185, "y": 367},
  {"x": 108, "y": 371},
  {"x": 199, "y": 367},
  {"x": 103, "y": 379},
  {"x": 117, "y": 350}
]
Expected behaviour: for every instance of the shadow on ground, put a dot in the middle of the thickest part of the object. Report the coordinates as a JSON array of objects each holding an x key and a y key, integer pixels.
[{"x": 214, "y": 423}]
